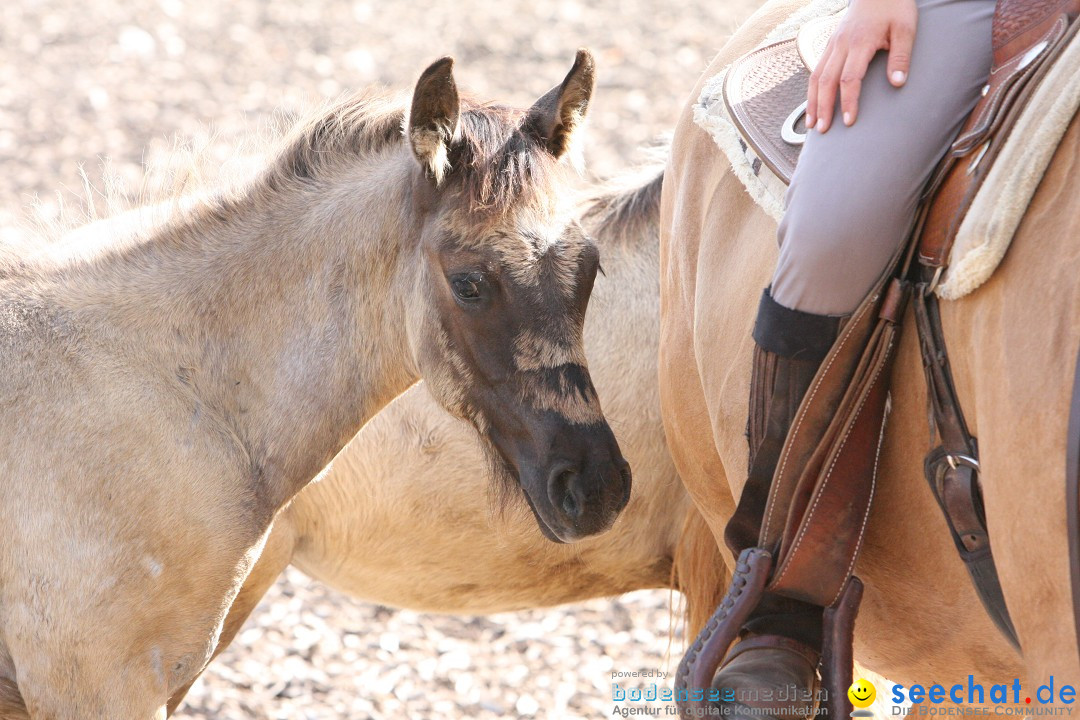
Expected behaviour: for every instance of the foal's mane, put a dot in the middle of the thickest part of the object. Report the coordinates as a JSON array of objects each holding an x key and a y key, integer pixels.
[{"x": 494, "y": 163}]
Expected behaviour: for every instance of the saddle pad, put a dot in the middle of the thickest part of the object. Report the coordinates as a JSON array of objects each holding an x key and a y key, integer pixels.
[
  {"x": 736, "y": 115},
  {"x": 814, "y": 36}
]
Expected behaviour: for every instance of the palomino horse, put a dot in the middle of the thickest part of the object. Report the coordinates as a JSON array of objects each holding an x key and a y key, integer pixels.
[
  {"x": 167, "y": 391},
  {"x": 403, "y": 516},
  {"x": 1012, "y": 342}
]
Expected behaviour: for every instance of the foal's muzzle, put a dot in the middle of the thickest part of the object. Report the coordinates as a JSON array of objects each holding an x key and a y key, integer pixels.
[{"x": 587, "y": 485}]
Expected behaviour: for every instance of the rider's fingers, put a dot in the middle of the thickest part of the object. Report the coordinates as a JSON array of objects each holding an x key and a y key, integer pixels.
[
  {"x": 851, "y": 78},
  {"x": 827, "y": 83},
  {"x": 812, "y": 88},
  {"x": 901, "y": 40}
]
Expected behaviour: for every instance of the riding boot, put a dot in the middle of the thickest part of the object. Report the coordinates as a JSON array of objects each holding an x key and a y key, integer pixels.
[{"x": 772, "y": 670}]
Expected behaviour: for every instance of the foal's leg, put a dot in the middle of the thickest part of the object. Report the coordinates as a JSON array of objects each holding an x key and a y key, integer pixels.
[{"x": 275, "y": 557}]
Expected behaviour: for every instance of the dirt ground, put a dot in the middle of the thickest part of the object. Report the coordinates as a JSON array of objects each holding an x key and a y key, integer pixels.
[{"x": 123, "y": 81}]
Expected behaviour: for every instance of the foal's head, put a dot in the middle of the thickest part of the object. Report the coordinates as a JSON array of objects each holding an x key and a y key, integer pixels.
[{"x": 504, "y": 277}]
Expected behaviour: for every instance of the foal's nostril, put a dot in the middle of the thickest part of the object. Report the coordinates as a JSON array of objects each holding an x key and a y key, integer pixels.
[
  {"x": 570, "y": 505},
  {"x": 565, "y": 494}
]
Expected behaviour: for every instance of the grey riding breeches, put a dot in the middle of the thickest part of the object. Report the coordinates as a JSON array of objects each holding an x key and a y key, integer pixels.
[{"x": 854, "y": 193}]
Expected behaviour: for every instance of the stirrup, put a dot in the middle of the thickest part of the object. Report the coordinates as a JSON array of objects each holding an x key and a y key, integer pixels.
[
  {"x": 693, "y": 680},
  {"x": 694, "y": 693}
]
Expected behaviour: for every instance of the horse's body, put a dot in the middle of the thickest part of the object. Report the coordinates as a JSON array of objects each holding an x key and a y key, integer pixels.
[
  {"x": 167, "y": 390},
  {"x": 1012, "y": 344}
]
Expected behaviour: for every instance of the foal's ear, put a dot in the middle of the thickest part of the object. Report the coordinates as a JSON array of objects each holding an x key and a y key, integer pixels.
[
  {"x": 433, "y": 117},
  {"x": 557, "y": 116}
]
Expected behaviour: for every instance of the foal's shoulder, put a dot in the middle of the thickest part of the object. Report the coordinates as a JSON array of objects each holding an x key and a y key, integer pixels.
[{"x": 29, "y": 324}]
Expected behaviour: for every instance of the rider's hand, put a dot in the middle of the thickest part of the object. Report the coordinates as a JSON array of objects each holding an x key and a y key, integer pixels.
[{"x": 869, "y": 26}]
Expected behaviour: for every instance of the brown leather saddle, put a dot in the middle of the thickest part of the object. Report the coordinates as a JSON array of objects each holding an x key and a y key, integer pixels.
[{"x": 820, "y": 496}]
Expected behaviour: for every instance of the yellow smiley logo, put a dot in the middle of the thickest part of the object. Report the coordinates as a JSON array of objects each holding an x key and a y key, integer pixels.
[{"x": 861, "y": 693}]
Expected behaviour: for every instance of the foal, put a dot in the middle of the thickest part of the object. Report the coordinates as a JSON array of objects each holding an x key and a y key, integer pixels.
[{"x": 166, "y": 392}]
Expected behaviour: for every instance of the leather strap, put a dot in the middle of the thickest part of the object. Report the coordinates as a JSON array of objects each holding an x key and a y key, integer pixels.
[
  {"x": 1027, "y": 35},
  {"x": 826, "y": 392},
  {"x": 839, "y": 429},
  {"x": 952, "y": 468},
  {"x": 839, "y": 657},
  {"x": 1072, "y": 496}
]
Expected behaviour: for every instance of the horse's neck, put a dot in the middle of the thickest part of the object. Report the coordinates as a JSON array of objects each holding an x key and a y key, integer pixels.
[{"x": 282, "y": 312}]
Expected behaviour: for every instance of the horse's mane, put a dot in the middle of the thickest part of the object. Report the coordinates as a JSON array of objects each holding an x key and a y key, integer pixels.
[{"x": 625, "y": 211}]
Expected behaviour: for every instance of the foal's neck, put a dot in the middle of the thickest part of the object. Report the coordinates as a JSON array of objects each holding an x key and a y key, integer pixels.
[{"x": 282, "y": 311}]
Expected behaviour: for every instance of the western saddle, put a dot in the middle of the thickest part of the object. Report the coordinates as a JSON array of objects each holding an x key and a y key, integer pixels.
[{"x": 825, "y": 489}]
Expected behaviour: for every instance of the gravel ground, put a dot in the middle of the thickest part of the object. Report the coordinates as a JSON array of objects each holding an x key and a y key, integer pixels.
[
  {"x": 309, "y": 652},
  {"x": 118, "y": 83}
]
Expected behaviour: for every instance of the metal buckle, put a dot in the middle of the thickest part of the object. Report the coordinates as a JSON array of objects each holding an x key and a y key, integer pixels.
[
  {"x": 929, "y": 287},
  {"x": 978, "y": 157},
  {"x": 958, "y": 459}
]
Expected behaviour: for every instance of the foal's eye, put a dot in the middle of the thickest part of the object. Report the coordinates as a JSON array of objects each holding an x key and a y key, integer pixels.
[{"x": 467, "y": 286}]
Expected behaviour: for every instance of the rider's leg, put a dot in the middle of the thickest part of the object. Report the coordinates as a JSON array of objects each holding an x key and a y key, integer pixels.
[
  {"x": 850, "y": 205},
  {"x": 854, "y": 193}
]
